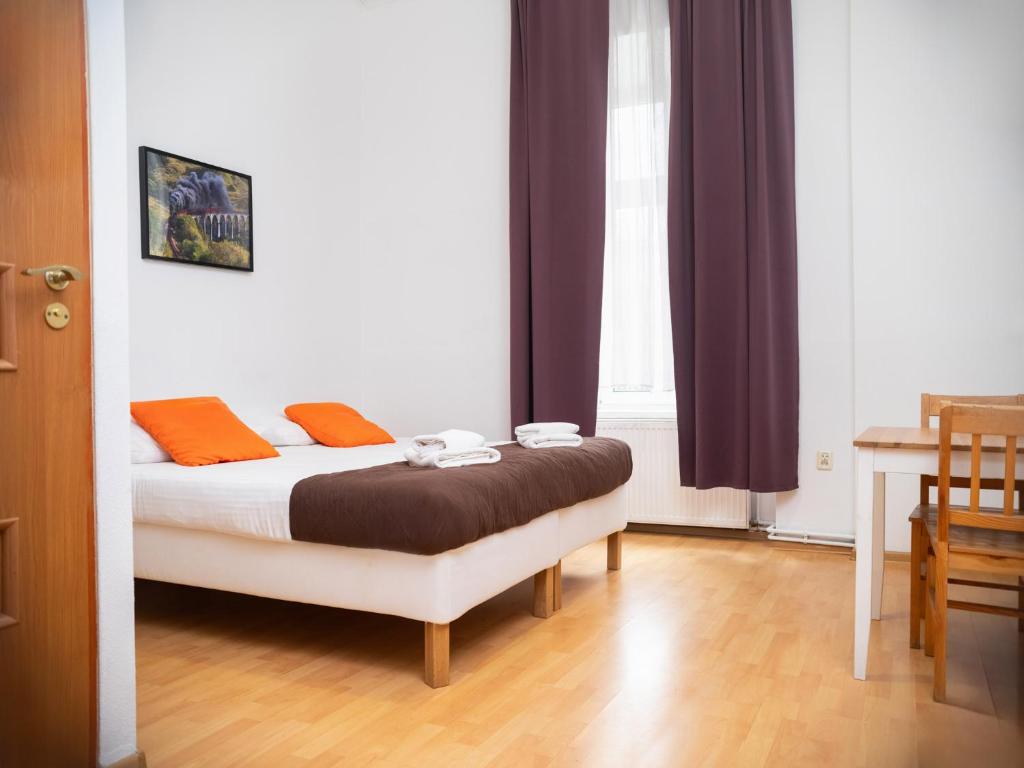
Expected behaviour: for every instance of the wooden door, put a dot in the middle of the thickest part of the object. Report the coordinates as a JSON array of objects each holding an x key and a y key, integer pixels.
[{"x": 47, "y": 560}]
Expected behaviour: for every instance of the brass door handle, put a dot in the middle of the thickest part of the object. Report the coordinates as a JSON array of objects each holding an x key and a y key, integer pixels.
[{"x": 57, "y": 276}]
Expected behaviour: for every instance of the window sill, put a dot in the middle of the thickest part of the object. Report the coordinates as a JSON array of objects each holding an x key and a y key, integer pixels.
[{"x": 636, "y": 413}]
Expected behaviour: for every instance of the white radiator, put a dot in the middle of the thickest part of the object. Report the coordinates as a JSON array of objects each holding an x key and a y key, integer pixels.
[{"x": 654, "y": 495}]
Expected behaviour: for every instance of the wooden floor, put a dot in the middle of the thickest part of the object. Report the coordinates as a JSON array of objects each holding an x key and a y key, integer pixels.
[{"x": 699, "y": 652}]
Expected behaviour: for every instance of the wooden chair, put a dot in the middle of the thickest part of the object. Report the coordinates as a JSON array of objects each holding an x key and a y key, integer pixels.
[
  {"x": 972, "y": 538},
  {"x": 919, "y": 551}
]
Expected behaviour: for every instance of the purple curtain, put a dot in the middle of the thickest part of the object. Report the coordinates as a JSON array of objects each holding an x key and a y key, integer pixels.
[
  {"x": 556, "y": 227},
  {"x": 732, "y": 243}
]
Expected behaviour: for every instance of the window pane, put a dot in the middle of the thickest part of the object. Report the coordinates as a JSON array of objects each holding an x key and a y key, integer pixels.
[{"x": 636, "y": 342}]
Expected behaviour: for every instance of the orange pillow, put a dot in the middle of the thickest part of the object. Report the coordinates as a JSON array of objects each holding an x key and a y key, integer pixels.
[
  {"x": 200, "y": 430},
  {"x": 336, "y": 425}
]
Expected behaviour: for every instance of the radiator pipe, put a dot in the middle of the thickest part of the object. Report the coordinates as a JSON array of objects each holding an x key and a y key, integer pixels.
[{"x": 810, "y": 537}]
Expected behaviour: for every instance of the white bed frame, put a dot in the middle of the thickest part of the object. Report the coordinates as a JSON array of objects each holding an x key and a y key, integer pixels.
[{"x": 435, "y": 589}]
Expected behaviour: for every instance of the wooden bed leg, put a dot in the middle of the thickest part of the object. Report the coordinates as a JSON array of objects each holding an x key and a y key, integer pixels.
[
  {"x": 558, "y": 586},
  {"x": 544, "y": 593},
  {"x": 615, "y": 551},
  {"x": 435, "y": 654}
]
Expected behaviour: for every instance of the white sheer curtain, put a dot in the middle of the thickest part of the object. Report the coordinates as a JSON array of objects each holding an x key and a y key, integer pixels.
[{"x": 636, "y": 342}]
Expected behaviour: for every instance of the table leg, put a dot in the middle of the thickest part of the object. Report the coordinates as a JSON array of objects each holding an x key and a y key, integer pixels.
[
  {"x": 864, "y": 514},
  {"x": 877, "y": 544}
]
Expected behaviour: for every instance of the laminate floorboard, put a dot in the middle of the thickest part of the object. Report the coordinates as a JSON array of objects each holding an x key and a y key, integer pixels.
[{"x": 699, "y": 652}]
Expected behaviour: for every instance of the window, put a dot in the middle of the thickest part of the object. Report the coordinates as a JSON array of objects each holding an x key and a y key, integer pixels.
[{"x": 636, "y": 340}]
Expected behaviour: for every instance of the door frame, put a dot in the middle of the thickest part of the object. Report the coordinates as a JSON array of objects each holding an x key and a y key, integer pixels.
[{"x": 109, "y": 225}]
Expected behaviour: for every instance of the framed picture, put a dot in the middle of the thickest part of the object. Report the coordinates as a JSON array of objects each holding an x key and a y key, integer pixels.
[{"x": 193, "y": 212}]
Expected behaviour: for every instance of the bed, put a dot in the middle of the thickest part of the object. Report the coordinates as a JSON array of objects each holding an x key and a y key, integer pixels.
[{"x": 227, "y": 526}]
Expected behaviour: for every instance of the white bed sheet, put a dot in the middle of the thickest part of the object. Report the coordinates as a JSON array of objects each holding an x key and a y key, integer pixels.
[{"x": 243, "y": 498}]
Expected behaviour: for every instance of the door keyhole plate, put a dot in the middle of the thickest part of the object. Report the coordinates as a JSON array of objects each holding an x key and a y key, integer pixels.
[{"x": 57, "y": 315}]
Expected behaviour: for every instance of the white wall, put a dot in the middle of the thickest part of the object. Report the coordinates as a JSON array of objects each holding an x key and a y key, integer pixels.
[
  {"x": 271, "y": 89},
  {"x": 935, "y": 201},
  {"x": 384, "y": 128},
  {"x": 821, "y": 57},
  {"x": 434, "y": 215},
  {"x": 109, "y": 278},
  {"x": 938, "y": 217}
]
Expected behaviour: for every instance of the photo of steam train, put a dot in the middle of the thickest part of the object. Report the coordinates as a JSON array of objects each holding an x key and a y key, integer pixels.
[{"x": 193, "y": 212}]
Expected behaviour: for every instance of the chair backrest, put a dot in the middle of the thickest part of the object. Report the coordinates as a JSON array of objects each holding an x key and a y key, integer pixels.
[
  {"x": 978, "y": 421},
  {"x": 932, "y": 404},
  {"x": 987, "y": 484}
]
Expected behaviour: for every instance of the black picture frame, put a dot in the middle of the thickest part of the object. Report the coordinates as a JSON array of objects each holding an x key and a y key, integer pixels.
[{"x": 207, "y": 223}]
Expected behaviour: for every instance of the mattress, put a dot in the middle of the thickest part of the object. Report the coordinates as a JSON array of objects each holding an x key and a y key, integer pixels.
[
  {"x": 436, "y": 588},
  {"x": 243, "y": 498}
]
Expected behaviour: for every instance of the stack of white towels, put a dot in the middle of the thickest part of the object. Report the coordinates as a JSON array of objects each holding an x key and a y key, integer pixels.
[
  {"x": 451, "y": 448},
  {"x": 549, "y": 434},
  {"x": 461, "y": 448}
]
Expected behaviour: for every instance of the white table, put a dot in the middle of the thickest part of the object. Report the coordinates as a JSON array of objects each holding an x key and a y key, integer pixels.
[{"x": 903, "y": 450}]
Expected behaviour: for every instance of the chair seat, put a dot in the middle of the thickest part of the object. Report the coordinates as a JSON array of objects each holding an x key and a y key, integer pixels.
[{"x": 973, "y": 541}]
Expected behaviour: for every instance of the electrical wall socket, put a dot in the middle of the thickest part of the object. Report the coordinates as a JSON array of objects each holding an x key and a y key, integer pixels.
[{"x": 824, "y": 460}]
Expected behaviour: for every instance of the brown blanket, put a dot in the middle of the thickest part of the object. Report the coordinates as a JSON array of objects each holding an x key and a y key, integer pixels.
[{"x": 426, "y": 511}]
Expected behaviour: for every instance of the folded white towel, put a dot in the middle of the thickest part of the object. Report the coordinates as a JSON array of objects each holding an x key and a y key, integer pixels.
[
  {"x": 464, "y": 457},
  {"x": 419, "y": 458},
  {"x": 551, "y": 440},
  {"x": 547, "y": 428},
  {"x": 451, "y": 438},
  {"x": 425, "y": 448}
]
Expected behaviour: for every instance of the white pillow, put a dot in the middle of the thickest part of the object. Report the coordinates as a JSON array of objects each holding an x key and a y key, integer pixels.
[
  {"x": 146, "y": 450},
  {"x": 280, "y": 430}
]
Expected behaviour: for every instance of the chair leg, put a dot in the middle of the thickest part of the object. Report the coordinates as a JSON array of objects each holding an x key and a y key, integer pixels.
[
  {"x": 941, "y": 617},
  {"x": 1020, "y": 603},
  {"x": 916, "y": 609},
  {"x": 926, "y": 550},
  {"x": 929, "y": 613}
]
